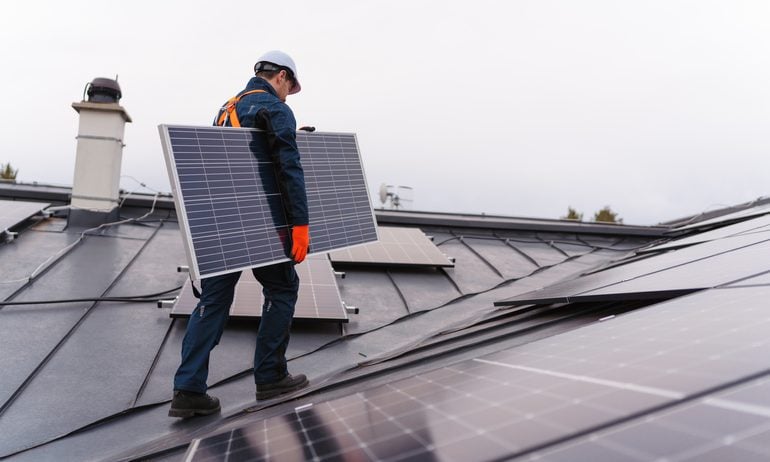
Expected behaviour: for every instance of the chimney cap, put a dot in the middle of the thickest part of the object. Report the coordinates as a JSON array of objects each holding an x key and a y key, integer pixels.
[{"x": 103, "y": 90}]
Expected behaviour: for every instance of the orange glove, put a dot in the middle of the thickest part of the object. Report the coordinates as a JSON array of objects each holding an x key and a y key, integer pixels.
[{"x": 300, "y": 240}]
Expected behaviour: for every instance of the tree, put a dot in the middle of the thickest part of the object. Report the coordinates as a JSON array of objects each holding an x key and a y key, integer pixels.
[
  {"x": 7, "y": 172},
  {"x": 606, "y": 215},
  {"x": 573, "y": 214}
]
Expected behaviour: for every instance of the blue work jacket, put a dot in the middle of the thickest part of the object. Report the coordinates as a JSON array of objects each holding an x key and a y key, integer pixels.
[{"x": 286, "y": 154}]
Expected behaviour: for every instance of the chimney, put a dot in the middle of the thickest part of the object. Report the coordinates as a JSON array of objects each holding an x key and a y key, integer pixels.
[{"x": 96, "y": 186}]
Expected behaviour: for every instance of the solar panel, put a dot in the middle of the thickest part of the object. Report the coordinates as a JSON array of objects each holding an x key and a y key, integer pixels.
[
  {"x": 577, "y": 289},
  {"x": 760, "y": 280},
  {"x": 754, "y": 211},
  {"x": 711, "y": 272},
  {"x": 396, "y": 247},
  {"x": 759, "y": 224},
  {"x": 231, "y": 211},
  {"x": 509, "y": 403},
  {"x": 728, "y": 426},
  {"x": 318, "y": 298},
  {"x": 14, "y": 212}
]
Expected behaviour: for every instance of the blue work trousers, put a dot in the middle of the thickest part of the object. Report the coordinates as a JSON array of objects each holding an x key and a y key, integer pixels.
[{"x": 204, "y": 328}]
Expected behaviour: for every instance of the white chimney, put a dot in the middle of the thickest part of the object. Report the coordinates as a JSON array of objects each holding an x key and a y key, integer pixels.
[{"x": 96, "y": 186}]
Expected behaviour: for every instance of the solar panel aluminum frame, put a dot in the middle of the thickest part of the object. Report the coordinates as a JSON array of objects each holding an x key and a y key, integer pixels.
[{"x": 189, "y": 248}]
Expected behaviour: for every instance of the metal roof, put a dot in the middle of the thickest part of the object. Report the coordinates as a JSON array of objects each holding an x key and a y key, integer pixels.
[{"x": 90, "y": 378}]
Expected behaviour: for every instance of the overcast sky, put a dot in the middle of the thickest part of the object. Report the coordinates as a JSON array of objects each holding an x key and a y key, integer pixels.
[{"x": 659, "y": 109}]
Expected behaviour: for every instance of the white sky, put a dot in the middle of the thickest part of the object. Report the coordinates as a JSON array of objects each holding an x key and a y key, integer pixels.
[{"x": 659, "y": 109}]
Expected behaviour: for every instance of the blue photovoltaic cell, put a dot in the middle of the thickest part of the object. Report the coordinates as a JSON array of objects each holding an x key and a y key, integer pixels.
[{"x": 230, "y": 206}]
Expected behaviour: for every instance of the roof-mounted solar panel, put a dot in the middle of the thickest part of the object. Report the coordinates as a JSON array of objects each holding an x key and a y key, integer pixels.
[
  {"x": 727, "y": 219},
  {"x": 662, "y": 276},
  {"x": 230, "y": 209},
  {"x": 758, "y": 224},
  {"x": 512, "y": 402},
  {"x": 14, "y": 212},
  {"x": 396, "y": 247},
  {"x": 318, "y": 300}
]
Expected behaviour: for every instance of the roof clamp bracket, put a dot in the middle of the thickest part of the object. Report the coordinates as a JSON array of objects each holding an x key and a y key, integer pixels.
[
  {"x": 182, "y": 269},
  {"x": 350, "y": 309},
  {"x": 8, "y": 236},
  {"x": 340, "y": 274},
  {"x": 168, "y": 303}
]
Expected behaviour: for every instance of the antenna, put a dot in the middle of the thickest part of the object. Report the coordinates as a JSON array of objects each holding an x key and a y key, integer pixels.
[
  {"x": 383, "y": 193},
  {"x": 401, "y": 198}
]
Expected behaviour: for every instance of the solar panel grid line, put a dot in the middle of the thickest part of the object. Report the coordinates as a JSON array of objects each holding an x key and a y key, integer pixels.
[
  {"x": 352, "y": 432},
  {"x": 588, "y": 379}
]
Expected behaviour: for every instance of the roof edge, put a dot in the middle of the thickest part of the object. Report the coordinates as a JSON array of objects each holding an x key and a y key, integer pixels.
[
  {"x": 398, "y": 217},
  {"x": 63, "y": 194}
]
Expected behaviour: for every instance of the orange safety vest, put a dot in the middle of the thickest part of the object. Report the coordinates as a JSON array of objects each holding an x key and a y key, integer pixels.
[{"x": 229, "y": 112}]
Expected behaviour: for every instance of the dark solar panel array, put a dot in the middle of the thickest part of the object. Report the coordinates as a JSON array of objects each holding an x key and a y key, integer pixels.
[
  {"x": 14, "y": 212},
  {"x": 231, "y": 211},
  {"x": 723, "y": 219},
  {"x": 701, "y": 274},
  {"x": 675, "y": 273},
  {"x": 759, "y": 224},
  {"x": 513, "y": 402},
  {"x": 318, "y": 298},
  {"x": 396, "y": 247}
]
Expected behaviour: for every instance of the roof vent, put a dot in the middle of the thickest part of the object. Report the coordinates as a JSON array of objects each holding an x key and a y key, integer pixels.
[{"x": 103, "y": 90}]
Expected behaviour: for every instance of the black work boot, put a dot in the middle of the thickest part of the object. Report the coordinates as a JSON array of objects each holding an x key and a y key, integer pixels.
[
  {"x": 187, "y": 404},
  {"x": 285, "y": 385}
]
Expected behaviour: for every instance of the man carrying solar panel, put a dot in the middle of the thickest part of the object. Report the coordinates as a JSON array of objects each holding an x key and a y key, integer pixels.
[{"x": 260, "y": 105}]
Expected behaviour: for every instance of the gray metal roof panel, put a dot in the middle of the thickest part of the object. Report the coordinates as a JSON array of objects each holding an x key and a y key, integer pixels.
[
  {"x": 88, "y": 271},
  {"x": 22, "y": 256},
  {"x": 471, "y": 272},
  {"x": 376, "y": 296},
  {"x": 424, "y": 289},
  {"x": 510, "y": 263}
]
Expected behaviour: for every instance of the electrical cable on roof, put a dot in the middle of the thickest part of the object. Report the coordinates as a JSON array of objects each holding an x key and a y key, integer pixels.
[
  {"x": 82, "y": 236},
  {"x": 141, "y": 185},
  {"x": 148, "y": 298}
]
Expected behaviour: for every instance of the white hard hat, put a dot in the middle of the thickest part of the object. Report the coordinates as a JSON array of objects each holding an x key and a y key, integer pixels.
[{"x": 279, "y": 59}]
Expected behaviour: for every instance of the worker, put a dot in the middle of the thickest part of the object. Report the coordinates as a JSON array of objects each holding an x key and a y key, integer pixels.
[{"x": 262, "y": 104}]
